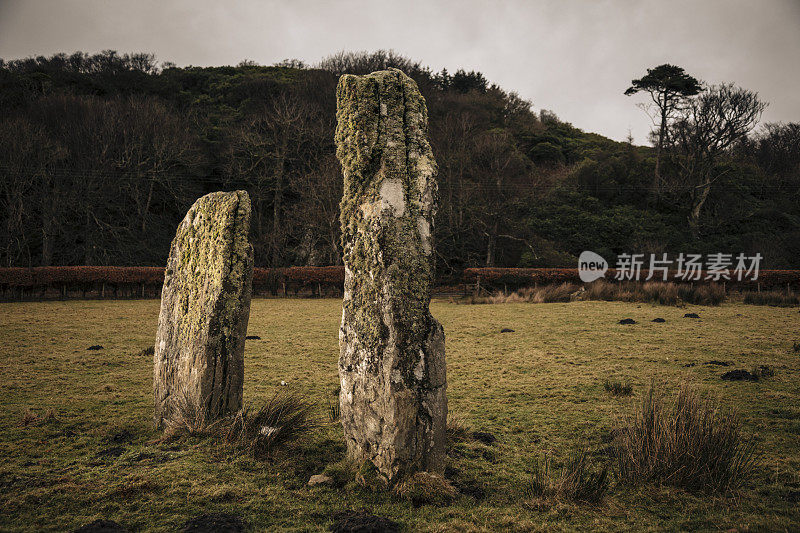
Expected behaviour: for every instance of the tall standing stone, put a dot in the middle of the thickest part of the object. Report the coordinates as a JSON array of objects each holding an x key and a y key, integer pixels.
[
  {"x": 205, "y": 307},
  {"x": 392, "y": 360}
]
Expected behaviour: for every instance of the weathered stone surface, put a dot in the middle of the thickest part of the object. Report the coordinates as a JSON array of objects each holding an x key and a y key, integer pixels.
[
  {"x": 320, "y": 479},
  {"x": 205, "y": 307},
  {"x": 392, "y": 360}
]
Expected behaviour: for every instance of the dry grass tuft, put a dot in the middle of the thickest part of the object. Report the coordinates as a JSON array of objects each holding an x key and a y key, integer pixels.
[
  {"x": 617, "y": 388},
  {"x": 578, "y": 481},
  {"x": 29, "y": 418},
  {"x": 457, "y": 430},
  {"x": 426, "y": 488},
  {"x": 191, "y": 418},
  {"x": 773, "y": 298},
  {"x": 283, "y": 419},
  {"x": 689, "y": 444}
]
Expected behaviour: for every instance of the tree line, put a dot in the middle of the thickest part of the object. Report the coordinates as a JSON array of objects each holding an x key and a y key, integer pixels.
[{"x": 101, "y": 155}]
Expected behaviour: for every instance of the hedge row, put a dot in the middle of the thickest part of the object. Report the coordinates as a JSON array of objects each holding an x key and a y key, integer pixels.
[
  {"x": 44, "y": 276},
  {"x": 519, "y": 277},
  {"x": 332, "y": 275}
]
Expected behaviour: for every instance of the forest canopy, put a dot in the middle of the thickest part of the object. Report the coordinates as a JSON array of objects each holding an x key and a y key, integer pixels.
[{"x": 101, "y": 155}]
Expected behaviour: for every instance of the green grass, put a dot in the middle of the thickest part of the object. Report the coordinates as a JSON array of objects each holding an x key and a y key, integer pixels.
[{"x": 539, "y": 390}]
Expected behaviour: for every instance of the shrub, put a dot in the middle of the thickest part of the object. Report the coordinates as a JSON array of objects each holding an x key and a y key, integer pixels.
[
  {"x": 773, "y": 298},
  {"x": 426, "y": 488},
  {"x": 617, "y": 388},
  {"x": 578, "y": 481},
  {"x": 283, "y": 419},
  {"x": 689, "y": 444}
]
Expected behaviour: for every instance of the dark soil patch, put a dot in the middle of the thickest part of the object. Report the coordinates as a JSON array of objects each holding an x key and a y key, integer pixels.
[
  {"x": 659, "y": 319},
  {"x": 95, "y": 347},
  {"x": 717, "y": 363},
  {"x": 102, "y": 526},
  {"x": 214, "y": 523},
  {"x": 253, "y": 338},
  {"x": 506, "y": 330},
  {"x": 362, "y": 522},
  {"x": 765, "y": 371},
  {"x": 792, "y": 496},
  {"x": 739, "y": 375},
  {"x": 120, "y": 436},
  {"x": 114, "y": 451},
  {"x": 484, "y": 437},
  {"x": 691, "y": 315},
  {"x": 627, "y": 321}
]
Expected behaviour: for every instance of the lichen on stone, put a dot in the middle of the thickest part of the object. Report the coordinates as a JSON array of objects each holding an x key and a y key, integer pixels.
[
  {"x": 387, "y": 331},
  {"x": 205, "y": 306}
]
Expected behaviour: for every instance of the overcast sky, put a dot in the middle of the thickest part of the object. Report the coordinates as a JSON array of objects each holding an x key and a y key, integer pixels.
[{"x": 575, "y": 57}]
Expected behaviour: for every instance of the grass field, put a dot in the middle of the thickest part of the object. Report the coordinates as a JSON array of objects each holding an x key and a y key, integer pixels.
[{"x": 539, "y": 389}]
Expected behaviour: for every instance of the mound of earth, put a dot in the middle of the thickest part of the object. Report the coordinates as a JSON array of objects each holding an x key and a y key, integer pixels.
[
  {"x": 739, "y": 375},
  {"x": 362, "y": 522},
  {"x": 484, "y": 437},
  {"x": 214, "y": 523},
  {"x": 627, "y": 321},
  {"x": 102, "y": 526}
]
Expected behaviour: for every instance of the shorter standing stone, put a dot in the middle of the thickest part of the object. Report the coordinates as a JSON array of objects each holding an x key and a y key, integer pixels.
[{"x": 205, "y": 307}]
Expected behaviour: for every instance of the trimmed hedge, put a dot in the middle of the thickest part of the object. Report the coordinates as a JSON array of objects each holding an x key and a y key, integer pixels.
[
  {"x": 318, "y": 279},
  {"x": 522, "y": 277}
]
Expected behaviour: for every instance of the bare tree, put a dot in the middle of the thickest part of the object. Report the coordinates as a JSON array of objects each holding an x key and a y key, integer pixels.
[{"x": 708, "y": 127}]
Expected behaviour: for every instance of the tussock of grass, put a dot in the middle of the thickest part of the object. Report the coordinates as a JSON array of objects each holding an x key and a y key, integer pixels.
[
  {"x": 189, "y": 417},
  {"x": 689, "y": 444},
  {"x": 283, "y": 419},
  {"x": 426, "y": 488},
  {"x": 30, "y": 418},
  {"x": 773, "y": 298},
  {"x": 578, "y": 481},
  {"x": 617, "y": 388},
  {"x": 457, "y": 430}
]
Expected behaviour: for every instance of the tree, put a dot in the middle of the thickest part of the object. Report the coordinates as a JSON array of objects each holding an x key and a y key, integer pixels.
[
  {"x": 669, "y": 87},
  {"x": 709, "y": 126}
]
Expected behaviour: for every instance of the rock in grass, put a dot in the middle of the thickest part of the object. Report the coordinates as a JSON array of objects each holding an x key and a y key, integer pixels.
[
  {"x": 658, "y": 320},
  {"x": 506, "y": 330},
  {"x": 102, "y": 526},
  {"x": 627, "y": 321},
  {"x": 205, "y": 307},
  {"x": 95, "y": 347},
  {"x": 392, "y": 359},
  {"x": 320, "y": 479},
  {"x": 691, "y": 315}
]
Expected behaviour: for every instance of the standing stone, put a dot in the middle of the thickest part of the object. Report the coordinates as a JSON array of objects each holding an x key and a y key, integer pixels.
[
  {"x": 392, "y": 361},
  {"x": 205, "y": 306}
]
